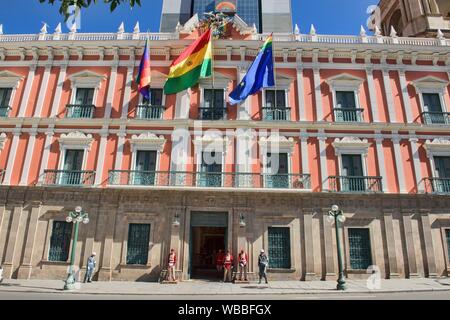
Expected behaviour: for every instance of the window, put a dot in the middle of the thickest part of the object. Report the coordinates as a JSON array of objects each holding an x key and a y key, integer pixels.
[
  {"x": 73, "y": 164},
  {"x": 84, "y": 96},
  {"x": 433, "y": 108},
  {"x": 138, "y": 244},
  {"x": 275, "y": 99},
  {"x": 279, "y": 248},
  {"x": 352, "y": 173},
  {"x": 346, "y": 107},
  {"x": 210, "y": 170},
  {"x": 360, "y": 249},
  {"x": 5, "y": 97},
  {"x": 213, "y": 104},
  {"x": 345, "y": 99},
  {"x": 156, "y": 98},
  {"x": 145, "y": 168},
  {"x": 60, "y": 241},
  {"x": 277, "y": 170},
  {"x": 442, "y": 181}
]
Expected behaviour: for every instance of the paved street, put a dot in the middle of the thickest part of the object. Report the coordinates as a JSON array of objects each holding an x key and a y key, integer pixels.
[
  {"x": 200, "y": 290},
  {"x": 444, "y": 295}
]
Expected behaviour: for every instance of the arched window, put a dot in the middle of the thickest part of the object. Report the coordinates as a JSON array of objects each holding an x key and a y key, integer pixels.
[{"x": 396, "y": 22}]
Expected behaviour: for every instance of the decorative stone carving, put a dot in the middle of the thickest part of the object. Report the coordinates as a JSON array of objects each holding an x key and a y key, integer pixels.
[
  {"x": 9, "y": 79},
  {"x": 147, "y": 141},
  {"x": 86, "y": 79},
  {"x": 276, "y": 142},
  {"x": 75, "y": 139},
  {"x": 437, "y": 147},
  {"x": 2, "y": 140},
  {"x": 430, "y": 82},
  {"x": 352, "y": 145},
  {"x": 214, "y": 141}
]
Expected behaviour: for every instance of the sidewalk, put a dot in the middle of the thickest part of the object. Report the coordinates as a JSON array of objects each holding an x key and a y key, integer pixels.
[{"x": 211, "y": 288}]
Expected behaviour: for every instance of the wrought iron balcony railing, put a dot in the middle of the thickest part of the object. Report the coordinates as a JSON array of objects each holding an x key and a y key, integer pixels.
[
  {"x": 436, "y": 117},
  {"x": 80, "y": 111},
  {"x": 355, "y": 184},
  {"x": 68, "y": 178},
  {"x": 437, "y": 185},
  {"x": 276, "y": 114},
  {"x": 147, "y": 112},
  {"x": 348, "y": 115},
  {"x": 209, "y": 180},
  {"x": 212, "y": 114},
  {"x": 4, "y": 111}
]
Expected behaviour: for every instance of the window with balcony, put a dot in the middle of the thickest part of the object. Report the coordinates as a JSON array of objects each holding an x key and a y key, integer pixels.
[
  {"x": 73, "y": 163},
  {"x": 153, "y": 108},
  {"x": 83, "y": 106},
  {"x": 213, "y": 106},
  {"x": 5, "y": 97},
  {"x": 359, "y": 248},
  {"x": 279, "y": 248},
  {"x": 433, "y": 109},
  {"x": 275, "y": 107},
  {"x": 210, "y": 174},
  {"x": 60, "y": 241},
  {"x": 441, "y": 182},
  {"x": 277, "y": 171},
  {"x": 346, "y": 110},
  {"x": 145, "y": 168},
  {"x": 138, "y": 244}
]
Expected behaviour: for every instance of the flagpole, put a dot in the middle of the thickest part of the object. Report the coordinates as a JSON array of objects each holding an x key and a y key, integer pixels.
[{"x": 274, "y": 69}]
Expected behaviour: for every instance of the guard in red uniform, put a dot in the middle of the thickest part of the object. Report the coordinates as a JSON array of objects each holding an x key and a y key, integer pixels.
[
  {"x": 243, "y": 263},
  {"x": 172, "y": 261},
  {"x": 227, "y": 267}
]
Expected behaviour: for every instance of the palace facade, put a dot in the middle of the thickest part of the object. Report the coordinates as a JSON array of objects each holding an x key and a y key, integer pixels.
[{"x": 358, "y": 121}]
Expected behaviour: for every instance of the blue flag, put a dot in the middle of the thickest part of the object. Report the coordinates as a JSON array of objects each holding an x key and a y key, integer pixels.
[{"x": 260, "y": 75}]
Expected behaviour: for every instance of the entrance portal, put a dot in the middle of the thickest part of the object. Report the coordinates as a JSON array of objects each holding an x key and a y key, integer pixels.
[{"x": 209, "y": 234}]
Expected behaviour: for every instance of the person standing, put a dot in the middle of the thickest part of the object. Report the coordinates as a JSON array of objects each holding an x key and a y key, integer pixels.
[
  {"x": 219, "y": 262},
  {"x": 243, "y": 262},
  {"x": 263, "y": 263},
  {"x": 172, "y": 261},
  {"x": 227, "y": 267},
  {"x": 91, "y": 264}
]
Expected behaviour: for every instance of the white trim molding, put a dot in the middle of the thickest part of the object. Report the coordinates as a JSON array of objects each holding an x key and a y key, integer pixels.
[
  {"x": 74, "y": 140},
  {"x": 2, "y": 140},
  {"x": 430, "y": 84},
  {"x": 147, "y": 141},
  {"x": 10, "y": 79},
  {"x": 351, "y": 145},
  {"x": 437, "y": 147},
  {"x": 86, "y": 79},
  {"x": 276, "y": 144}
]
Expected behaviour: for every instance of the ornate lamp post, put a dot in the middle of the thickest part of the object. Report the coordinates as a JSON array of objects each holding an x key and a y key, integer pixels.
[
  {"x": 76, "y": 217},
  {"x": 337, "y": 216}
]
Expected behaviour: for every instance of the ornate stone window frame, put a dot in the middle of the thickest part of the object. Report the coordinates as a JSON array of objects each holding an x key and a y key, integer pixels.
[
  {"x": 276, "y": 144},
  {"x": 210, "y": 142},
  {"x": 10, "y": 80},
  {"x": 147, "y": 141},
  {"x": 282, "y": 222},
  {"x": 346, "y": 82},
  {"x": 87, "y": 80},
  {"x": 439, "y": 147},
  {"x": 430, "y": 84},
  {"x": 54, "y": 216},
  {"x": 74, "y": 141},
  {"x": 354, "y": 146}
]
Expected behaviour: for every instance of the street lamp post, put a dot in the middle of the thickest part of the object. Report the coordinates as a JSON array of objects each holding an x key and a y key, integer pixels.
[
  {"x": 338, "y": 217},
  {"x": 76, "y": 217}
]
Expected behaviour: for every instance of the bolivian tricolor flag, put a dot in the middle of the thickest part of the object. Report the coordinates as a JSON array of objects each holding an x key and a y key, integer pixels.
[{"x": 194, "y": 63}]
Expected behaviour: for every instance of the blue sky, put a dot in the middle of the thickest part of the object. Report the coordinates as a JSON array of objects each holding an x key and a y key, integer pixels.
[{"x": 328, "y": 16}]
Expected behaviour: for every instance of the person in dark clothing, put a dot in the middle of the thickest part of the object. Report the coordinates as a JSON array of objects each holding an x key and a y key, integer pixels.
[{"x": 263, "y": 263}]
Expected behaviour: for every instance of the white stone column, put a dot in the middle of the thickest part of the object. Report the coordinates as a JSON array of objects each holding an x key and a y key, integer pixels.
[
  {"x": 417, "y": 167},
  {"x": 27, "y": 91},
  {"x": 42, "y": 92},
  {"x": 180, "y": 148},
  {"x": 399, "y": 164},
  {"x": 101, "y": 157},
  {"x": 381, "y": 161},
  {"x": 323, "y": 161},
  {"x": 389, "y": 96},
  {"x": 28, "y": 158},
  {"x": 405, "y": 95},
  {"x": 119, "y": 153},
  {"x": 373, "y": 96},
  {"x": 182, "y": 105},
  {"x": 304, "y": 152},
  {"x": 12, "y": 156},
  {"x": 46, "y": 154},
  {"x": 318, "y": 94},
  {"x": 245, "y": 107},
  {"x": 58, "y": 91},
  {"x": 111, "y": 92},
  {"x": 301, "y": 94},
  {"x": 127, "y": 93}
]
